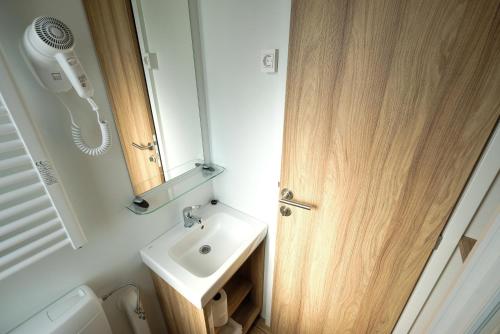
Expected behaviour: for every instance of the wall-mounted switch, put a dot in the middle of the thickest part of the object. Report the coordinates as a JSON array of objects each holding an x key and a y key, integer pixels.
[{"x": 269, "y": 61}]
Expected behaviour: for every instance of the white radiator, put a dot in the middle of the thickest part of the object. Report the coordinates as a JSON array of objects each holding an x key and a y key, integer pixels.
[{"x": 36, "y": 218}]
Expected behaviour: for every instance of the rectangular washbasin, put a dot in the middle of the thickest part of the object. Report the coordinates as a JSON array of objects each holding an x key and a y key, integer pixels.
[
  {"x": 197, "y": 261},
  {"x": 208, "y": 246}
]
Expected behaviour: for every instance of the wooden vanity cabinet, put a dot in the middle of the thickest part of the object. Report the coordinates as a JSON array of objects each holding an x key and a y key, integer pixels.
[{"x": 244, "y": 300}]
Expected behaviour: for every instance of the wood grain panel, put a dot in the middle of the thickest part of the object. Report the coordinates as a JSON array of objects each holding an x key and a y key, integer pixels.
[
  {"x": 253, "y": 270},
  {"x": 181, "y": 316},
  {"x": 113, "y": 30},
  {"x": 389, "y": 104}
]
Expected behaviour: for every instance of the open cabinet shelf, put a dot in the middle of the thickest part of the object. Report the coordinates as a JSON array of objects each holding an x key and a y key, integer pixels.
[
  {"x": 244, "y": 291},
  {"x": 246, "y": 314},
  {"x": 237, "y": 289}
]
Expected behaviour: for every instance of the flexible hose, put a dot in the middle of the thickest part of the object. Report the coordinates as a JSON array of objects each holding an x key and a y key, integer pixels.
[
  {"x": 138, "y": 305},
  {"x": 76, "y": 132}
]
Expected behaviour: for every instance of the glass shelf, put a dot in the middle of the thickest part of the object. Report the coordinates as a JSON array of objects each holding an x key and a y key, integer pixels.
[{"x": 163, "y": 194}]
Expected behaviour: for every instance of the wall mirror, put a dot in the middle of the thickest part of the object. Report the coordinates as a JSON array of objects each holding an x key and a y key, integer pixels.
[{"x": 146, "y": 53}]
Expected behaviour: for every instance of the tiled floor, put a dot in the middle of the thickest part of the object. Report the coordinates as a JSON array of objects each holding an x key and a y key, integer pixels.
[{"x": 259, "y": 327}]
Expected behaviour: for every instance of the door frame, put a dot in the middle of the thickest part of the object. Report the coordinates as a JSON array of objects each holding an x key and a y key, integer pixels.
[
  {"x": 479, "y": 183},
  {"x": 476, "y": 294}
]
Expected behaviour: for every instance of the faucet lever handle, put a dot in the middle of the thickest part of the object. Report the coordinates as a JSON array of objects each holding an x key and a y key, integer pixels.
[{"x": 189, "y": 209}]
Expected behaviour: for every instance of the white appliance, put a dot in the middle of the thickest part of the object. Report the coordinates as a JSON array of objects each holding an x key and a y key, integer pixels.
[
  {"x": 48, "y": 49},
  {"x": 79, "y": 311}
]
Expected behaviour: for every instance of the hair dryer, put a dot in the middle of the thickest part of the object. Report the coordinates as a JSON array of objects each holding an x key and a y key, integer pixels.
[{"x": 48, "y": 50}]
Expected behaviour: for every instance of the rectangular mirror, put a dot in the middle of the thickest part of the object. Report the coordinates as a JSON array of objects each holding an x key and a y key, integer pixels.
[
  {"x": 145, "y": 49},
  {"x": 164, "y": 34}
]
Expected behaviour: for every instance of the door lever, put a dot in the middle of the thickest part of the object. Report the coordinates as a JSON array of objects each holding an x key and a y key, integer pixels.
[
  {"x": 141, "y": 147},
  {"x": 150, "y": 146},
  {"x": 286, "y": 198},
  {"x": 295, "y": 204}
]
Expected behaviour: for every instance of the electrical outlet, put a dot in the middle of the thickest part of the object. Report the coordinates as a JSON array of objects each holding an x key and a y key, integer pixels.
[{"x": 269, "y": 61}]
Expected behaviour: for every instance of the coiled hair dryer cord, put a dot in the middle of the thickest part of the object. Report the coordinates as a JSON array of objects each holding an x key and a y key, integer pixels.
[{"x": 76, "y": 132}]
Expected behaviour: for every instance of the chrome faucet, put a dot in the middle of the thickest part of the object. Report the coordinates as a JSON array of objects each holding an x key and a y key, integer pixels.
[{"x": 189, "y": 218}]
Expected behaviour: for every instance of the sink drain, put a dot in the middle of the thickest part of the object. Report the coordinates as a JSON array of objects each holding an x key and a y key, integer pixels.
[{"x": 205, "y": 249}]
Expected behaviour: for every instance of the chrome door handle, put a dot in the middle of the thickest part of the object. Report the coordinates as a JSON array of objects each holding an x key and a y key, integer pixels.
[
  {"x": 286, "y": 198},
  {"x": 296, "y": 204},
  {"x": 150, "y": 146}
]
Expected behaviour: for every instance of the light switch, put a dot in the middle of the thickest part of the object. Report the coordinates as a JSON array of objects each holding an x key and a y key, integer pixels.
[{"x": 269, "y": 61}]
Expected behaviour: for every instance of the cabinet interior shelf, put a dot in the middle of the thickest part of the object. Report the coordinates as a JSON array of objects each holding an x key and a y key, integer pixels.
[
  {"x": 246, "y": 314},
  {"x": 236, "y": 290},
  {"x": 244, "y": 291}
]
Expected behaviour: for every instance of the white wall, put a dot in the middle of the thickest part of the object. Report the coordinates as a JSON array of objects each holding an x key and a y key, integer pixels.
[
  {"x": 245, "y": 106},
  {"x": 99, "y": 188}
]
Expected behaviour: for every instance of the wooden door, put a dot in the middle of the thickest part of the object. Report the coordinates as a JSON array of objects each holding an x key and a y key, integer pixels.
[
  {"x": 389, "y": 104},
  {"x": 115, "y": 38}
]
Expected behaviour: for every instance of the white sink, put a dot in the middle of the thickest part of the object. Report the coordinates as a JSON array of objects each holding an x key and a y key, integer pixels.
[{"x": 197, "y": 261}]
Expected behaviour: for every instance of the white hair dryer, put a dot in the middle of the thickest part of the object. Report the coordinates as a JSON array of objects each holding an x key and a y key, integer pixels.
[{"x": 48, "y": 50}]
